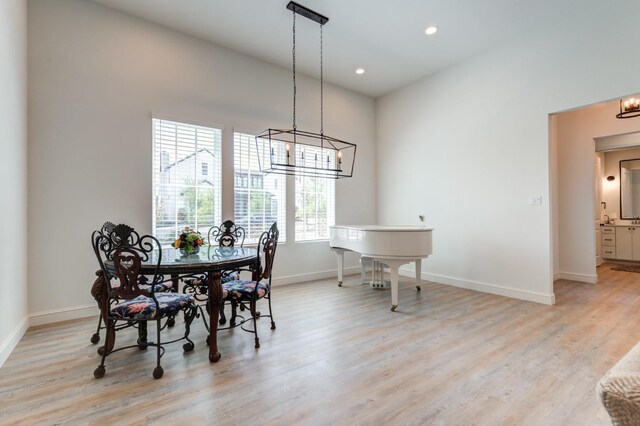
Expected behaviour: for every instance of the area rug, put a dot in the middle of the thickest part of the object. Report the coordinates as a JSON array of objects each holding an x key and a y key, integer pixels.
[{"x": 626, "y": 268}]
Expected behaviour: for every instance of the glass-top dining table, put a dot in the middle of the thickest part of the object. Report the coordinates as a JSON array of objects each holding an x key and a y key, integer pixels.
[{"x": 209, "y": 260}]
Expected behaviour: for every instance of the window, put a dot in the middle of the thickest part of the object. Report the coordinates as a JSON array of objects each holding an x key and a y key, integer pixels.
[
  {"x": 181, "y": 195},
  {"x": 260, "y": 199},
  {"x": 315, "y": 207}
]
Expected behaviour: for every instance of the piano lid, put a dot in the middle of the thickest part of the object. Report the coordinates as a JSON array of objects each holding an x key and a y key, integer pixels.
[{"x": 400, "y": 242}]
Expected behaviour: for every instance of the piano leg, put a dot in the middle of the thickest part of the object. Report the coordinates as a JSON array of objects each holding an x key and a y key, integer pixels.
[
  {"x": 394, "y": 265},
  {"x": 418, "y": 273},
  {"x": 340, "y": 255}
]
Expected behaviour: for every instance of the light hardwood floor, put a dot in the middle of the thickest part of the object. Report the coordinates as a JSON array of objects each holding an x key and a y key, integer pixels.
[{"x": 339, "y": 356}]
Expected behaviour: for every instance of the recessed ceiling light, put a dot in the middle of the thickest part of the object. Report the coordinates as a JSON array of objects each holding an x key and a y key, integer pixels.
[
  {"x": 360, "y": 71},
  {"x": 430, "y": 30}
]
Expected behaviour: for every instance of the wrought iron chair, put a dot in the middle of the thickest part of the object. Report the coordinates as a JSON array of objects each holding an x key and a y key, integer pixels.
[
  {"x": 106, "y": 229},
  {"x": 134, "y": 303},
  {"x": 248, "y": 292},
  {"x": 96, "y": 289},
  {"x": 225, "y": 235}
]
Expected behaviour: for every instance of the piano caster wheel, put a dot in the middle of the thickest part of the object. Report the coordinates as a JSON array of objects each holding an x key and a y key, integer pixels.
[
  {"x": 339, "y": 283},
  {"x": 393, "y": 308},
  {"x": 418, "y": 288}
]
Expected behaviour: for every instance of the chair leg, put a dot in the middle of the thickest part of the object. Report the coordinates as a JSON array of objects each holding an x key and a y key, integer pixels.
[
  {"x": 252, "y": 307},
  {"x": 188, "y": 347},
  {"x": 234, "y": 313},
  {"x": 158, "y": 371},
  {"x": 96, "y": 336},
  {"x": 142, "y": 335},
  {"x": 273, "y": 323},
  {"x": 223, "y": 318},
  {"x": 110, "y": 330}
]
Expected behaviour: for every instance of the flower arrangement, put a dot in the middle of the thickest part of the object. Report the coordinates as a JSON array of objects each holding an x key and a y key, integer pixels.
[{"x": 189, "y": 241}]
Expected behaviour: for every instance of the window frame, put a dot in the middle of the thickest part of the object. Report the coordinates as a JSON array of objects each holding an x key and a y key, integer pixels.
[
  {"x": 248, "y": 187},
  {"x": 217, "y": 157},
  {"x": 331, "y": 209}
]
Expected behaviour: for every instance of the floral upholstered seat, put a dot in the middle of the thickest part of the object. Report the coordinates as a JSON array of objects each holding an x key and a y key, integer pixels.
[
  {"x": 244, "y": 289},
  {"x": 143, "y": 307}
]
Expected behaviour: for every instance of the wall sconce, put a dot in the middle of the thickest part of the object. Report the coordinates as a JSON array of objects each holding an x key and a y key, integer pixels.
[{"x": 611, "y": 178}]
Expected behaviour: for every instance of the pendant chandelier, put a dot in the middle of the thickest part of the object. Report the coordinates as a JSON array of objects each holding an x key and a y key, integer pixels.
[
  {"x": 298, "y": 152},
  {"x": 629, "y": 107}
]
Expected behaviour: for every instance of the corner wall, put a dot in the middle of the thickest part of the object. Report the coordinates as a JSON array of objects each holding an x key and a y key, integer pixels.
[
  {"x": 469, "y": 146},
  {"x": 13, "y": 174},
  {"x": 96, "y": 76}
]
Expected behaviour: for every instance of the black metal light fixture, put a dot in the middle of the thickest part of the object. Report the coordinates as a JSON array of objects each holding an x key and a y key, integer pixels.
[
  {"x": 629, "y": 108},
  {"x": 299, "y": 152}
]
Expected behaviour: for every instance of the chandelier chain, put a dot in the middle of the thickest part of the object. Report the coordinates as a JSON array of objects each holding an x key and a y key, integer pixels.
[
  {"x": 321, "y": 87},
  {"x": 294, "y": 69}
]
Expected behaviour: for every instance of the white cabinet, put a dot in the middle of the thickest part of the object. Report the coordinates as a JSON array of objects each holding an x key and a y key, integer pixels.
[
  {"x": 608, "y": 242},
  {"x": 627, "y": 242}
]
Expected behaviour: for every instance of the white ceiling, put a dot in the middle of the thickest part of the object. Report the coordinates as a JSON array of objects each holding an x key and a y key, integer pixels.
[{"x": 385, "y": 37}]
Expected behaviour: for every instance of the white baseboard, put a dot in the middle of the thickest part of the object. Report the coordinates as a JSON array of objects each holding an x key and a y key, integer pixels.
[
  {"x": 484, "y": 287},
  {"x": 12, "y": 341},
  {"x": 58, "y": 315},
  {"x": 300, "y": 278},
  {"x": 591, "y": 279}
]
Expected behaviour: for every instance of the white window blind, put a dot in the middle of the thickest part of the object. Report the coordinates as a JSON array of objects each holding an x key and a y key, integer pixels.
[
  {"x": 185, "y": 191},
  {"x": 315, "y": 207},
  {"x": 260, "y": 199}
]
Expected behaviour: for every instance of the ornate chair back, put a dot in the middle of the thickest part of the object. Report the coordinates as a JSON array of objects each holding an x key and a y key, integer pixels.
[
  {"x": 227, "y": 234},
  {"x": 120, "y": 254},
  {"x": 267, "y": 251}
]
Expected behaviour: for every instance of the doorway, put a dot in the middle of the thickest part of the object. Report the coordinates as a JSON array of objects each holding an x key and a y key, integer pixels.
[{"x": 577, "y": 209}]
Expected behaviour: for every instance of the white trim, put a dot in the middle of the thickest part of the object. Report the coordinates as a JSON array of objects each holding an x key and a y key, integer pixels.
[
  {"x": 300, "y": 278},
  {"x": 204, "y": 123},
  {"x": 12, "y": 341},
  {"x": 58, "y": 315},
  {"x": 591, "y": 279},
  {"x": 484, "y": 287}
]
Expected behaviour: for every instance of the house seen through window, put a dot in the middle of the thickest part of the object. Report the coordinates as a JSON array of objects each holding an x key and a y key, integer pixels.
[
  {"x": 260, "y": 199},
  {"x": 315, "y": 205},
  {"x": 186, "y": 178}
]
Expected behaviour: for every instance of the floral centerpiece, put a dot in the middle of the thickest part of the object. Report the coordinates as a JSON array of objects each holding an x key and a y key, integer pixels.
[{"x": 189, "y": 241}]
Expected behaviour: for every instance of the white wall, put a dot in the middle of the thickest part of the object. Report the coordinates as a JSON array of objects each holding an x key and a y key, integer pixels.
[
  {"x": 576, "y": 131},
  {"x": 13, "y": 174},
  {"x": 95, "y": 78},
  {"x": 468, "y": 147}
]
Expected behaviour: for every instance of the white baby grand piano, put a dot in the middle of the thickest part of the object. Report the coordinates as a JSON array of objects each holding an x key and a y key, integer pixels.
[{"x": 391, "y": 245}]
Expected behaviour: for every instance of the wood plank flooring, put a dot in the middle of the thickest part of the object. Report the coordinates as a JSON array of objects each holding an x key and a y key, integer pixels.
[{"x": 339, "y": 356}]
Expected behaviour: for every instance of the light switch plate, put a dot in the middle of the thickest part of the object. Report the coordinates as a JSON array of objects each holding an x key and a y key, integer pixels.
[{"x": 535, "y": 200}]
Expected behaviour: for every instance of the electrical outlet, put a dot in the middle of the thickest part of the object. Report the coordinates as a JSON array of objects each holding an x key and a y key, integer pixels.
[{"x": 535, "y": 200}]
